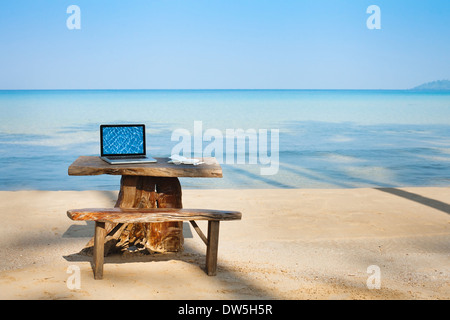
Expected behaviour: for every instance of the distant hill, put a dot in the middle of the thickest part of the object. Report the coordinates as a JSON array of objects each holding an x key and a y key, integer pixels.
[{"x": 441, "y": 85}]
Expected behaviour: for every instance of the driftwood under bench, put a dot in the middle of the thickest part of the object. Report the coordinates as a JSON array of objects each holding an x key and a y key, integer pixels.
[{"x": 119, "y": 216}]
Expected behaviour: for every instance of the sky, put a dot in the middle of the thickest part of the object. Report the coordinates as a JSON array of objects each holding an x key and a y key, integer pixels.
[{"x": 223, "y": 44}]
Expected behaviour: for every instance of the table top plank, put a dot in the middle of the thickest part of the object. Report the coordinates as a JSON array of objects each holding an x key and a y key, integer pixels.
[{"x": 93, "y": 165}]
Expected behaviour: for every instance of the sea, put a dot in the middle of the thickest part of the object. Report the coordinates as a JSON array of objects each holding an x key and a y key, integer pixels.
[{"x": 314, "y": 138}]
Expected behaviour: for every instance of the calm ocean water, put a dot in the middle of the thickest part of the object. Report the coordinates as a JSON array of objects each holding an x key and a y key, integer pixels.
[{"x": 327, "y": 139}]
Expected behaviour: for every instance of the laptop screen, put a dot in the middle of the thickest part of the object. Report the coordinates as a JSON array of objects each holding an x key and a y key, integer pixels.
[{"x": 122, "y": 139}]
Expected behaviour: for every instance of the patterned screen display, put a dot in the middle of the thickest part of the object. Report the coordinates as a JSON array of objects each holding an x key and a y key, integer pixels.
[{"x": 123, "y": 140}]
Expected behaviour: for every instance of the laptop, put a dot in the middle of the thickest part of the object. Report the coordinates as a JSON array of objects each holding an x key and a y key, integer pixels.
[{"x": 123, "y": 144}]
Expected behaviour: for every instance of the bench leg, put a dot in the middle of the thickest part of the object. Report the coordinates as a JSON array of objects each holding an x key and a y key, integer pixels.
[
  {"x": 212, "y": 247},
  {"x": 99, "y": 249}
]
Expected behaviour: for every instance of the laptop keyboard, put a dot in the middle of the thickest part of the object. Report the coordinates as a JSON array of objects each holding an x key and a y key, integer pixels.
[{"x": 126, "y": 157}]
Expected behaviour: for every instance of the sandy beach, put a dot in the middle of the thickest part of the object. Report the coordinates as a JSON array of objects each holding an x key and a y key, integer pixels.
[{"x": 290, "y": 244}]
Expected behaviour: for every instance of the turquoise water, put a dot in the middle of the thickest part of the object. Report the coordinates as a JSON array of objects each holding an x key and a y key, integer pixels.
[{"x": 327, "y": 138}]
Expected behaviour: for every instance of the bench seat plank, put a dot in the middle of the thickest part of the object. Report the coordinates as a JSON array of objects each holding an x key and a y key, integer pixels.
[{"x": 122, "y": 215}]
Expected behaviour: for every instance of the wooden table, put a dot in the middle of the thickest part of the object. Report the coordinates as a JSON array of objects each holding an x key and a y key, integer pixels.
[{"x": 150, "y": 185}]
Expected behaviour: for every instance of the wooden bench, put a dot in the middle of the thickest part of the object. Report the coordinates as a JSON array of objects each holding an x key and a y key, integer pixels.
[{"x": 120, "y": 215}]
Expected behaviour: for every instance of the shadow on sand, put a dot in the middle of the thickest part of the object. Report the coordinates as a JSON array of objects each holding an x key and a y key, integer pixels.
[
  {"x": 232, "y": 282},
  {"x": 435, "y": 204}
]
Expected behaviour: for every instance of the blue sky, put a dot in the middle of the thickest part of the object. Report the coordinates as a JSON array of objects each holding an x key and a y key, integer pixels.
[{"x": 223, "y": 44}]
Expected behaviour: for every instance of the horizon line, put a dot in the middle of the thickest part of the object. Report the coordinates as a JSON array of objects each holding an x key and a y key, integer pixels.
[{"x": 210, "y": 89}]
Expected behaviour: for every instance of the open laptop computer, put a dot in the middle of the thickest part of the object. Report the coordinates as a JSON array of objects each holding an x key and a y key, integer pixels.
[{"x": 123, "y": 144}]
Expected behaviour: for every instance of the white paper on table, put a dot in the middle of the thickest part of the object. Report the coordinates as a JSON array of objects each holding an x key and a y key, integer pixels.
[{"x": 177, "y": 159}]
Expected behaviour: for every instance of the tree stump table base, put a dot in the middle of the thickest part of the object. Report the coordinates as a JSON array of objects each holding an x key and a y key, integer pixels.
[{"x": 144, "y": 192}]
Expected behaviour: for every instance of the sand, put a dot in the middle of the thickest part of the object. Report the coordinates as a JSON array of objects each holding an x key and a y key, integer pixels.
[{"x": 290, "y": 244}]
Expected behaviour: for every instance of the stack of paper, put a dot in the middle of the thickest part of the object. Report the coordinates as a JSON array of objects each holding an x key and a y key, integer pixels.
[{"x": 177, "y": 159}]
